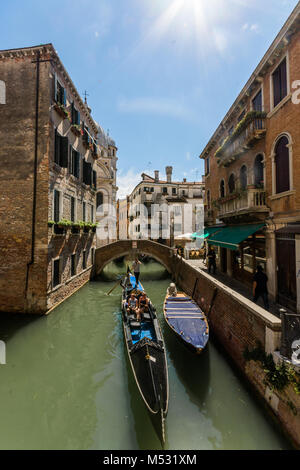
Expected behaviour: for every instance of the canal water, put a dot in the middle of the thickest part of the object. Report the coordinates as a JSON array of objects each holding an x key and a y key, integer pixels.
[{"x": 67, "y": 383}]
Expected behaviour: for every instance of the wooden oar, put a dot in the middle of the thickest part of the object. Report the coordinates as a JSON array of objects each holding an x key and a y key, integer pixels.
[{"x": 115, "y": 286}]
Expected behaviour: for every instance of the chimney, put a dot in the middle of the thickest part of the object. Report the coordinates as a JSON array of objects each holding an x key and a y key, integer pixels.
[
  {"x": 156, "y": 178},
  {"x": 184, "y": 180},
  {"x": 169, "y": 170}
]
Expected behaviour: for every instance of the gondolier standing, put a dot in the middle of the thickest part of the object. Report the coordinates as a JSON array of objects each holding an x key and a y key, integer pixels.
[{"x": 136, "y": 269}]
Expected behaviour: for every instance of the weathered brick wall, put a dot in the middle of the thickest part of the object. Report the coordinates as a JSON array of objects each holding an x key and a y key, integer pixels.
[
  {"x": 17, "y": 135},
  {"x": 63, "y": 246}
]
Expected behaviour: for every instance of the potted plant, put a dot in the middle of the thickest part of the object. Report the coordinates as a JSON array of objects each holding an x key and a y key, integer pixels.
[
  {"x": 76, "y": 227},
  {"x": 76, "y": 129},
  {"x": 61, "y": 110},
  {"x": 65, "y": 224}
]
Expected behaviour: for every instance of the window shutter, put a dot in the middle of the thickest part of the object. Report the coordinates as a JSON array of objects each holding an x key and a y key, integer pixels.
[
  {"x": 89, "y": 174},
  {"x": 70, "y": 159},
  {"x": 84, "y": 173},
  {"x": 78, "y": 165},
  {"x": 56, "y": 206},
  {"x": 64, "y": 97},
  {"x": 94, "y": 179},
  {"x": 73, "y": 113},
  {"x": 54, "y": 87},
  {"x": 78, "y": 118},
  {"x": 64, "y": 150},
  {"x": 283, "y": 79},
  {"x": 56, "y": 147}
]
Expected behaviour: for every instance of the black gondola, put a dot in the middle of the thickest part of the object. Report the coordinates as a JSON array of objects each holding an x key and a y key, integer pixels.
[{"x": 147, "y": 357}]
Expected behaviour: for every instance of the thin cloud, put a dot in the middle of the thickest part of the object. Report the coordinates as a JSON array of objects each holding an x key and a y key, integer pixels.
[
  {"x": 126, "y": 182},
  {"x": 158, "y": 106}
]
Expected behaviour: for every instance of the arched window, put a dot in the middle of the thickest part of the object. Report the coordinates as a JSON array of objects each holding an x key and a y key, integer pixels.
[
  {"x": 231, "y": 184},
  {"x": 222, "y": 188},
  {"x": 99, "y": 200},
  {"x": 2, "y": 92},
  {"x": 259, "y": 171},
  {"x": 282, "y": 165},
  {"x": 243, "y": 177}
]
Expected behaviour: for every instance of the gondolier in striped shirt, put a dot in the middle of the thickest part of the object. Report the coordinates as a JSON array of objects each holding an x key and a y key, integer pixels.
[{"x": 136, "y": 269}]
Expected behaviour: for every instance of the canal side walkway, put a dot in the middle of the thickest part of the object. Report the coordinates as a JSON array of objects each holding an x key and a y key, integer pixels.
[{"x": 237, "y": 286}]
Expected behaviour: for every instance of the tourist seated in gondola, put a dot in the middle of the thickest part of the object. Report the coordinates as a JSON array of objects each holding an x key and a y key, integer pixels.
[
  {"x": 143, "y": 305},
  {"x": 132, "y": 304}
]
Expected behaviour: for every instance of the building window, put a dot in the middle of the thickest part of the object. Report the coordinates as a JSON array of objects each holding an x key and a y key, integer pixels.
[
  {"x": 279, "y": 83},
  {"x": 61, "y": 150},
  {"x": 242, "y": 115},
  {"x": 243, "y": 177},
  {"x": 60, "y": 93},
  {"x": 75, "y": 115},
  {"x": 56, "y": 209},
  {"x": 230, "y": 132},
  {"x": 165, "y": 190},
  {"x": 84, "y": 260},
  {"x": 222, "y": 189},
  {"x": 2, "y": 92},
  {"x": 73, "y": 265},
  {"x": 231, "y": 184},
  {"x": 92, "y": 213},
  {"x": 56, "y": 272},
  {"x": 99, "y": 201},
  {"x": 174, "y": 191},
  {"x": 259, "y": 171},
  {"x": 75, "y": 163},
  {"x": 72, "y": 209},
  {"x": 87, "y": 173},
  {"x": 282, "y": 165},
  {"x": 84, "y": 212},
  {"x": 207, "y": 166},
  {"x": 257, "y": 102}
]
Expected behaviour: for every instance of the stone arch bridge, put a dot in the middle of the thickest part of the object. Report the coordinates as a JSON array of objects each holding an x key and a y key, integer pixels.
[{"x": 161, "y": 253}]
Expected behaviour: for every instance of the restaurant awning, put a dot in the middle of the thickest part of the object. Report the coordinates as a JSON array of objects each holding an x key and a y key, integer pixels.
[
  {"x": 207, "y": 232},
  {"x": 231, "y": 237}
]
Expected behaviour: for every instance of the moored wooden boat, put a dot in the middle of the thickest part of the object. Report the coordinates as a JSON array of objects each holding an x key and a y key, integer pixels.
[
  {"x": 147, "y": 357},
  {"x": 187, "y": 321}
]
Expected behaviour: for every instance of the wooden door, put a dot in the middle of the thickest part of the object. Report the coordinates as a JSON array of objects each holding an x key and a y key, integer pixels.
[{"x": 286, "y": 271}]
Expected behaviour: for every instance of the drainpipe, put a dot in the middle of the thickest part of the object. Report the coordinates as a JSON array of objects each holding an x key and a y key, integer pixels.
[{"x": 35, "y": 165}]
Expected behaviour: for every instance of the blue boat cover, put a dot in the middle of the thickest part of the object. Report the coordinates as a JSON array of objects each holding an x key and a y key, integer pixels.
[
  {"x": 188, "y": 321},
  {"x": 132, "y": 280}
]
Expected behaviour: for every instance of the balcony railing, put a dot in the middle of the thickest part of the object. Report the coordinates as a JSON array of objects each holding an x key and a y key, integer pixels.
[
  {"x": 250, "y": 200},
  {"x": 253, "y": 129}
]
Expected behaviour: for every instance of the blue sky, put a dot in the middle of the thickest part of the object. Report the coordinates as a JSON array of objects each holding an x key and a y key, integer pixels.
[{"x": 160, "y": 74}]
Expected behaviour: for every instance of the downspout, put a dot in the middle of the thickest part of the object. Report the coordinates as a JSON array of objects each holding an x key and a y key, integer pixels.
[{"x": 35, "y": 165}]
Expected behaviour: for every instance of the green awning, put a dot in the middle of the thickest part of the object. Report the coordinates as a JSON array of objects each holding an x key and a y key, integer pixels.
[
  {"x": 207, "y": 232},
  {"x": 231, "y": 237}
]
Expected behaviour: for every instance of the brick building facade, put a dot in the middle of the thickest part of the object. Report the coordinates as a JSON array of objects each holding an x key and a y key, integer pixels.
[
  {"x": 48, "y": 178},
  {"x": 252, "y": 165}
]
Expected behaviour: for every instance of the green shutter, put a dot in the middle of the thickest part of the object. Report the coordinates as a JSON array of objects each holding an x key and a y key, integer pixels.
[{"x": 64, "y": 152}]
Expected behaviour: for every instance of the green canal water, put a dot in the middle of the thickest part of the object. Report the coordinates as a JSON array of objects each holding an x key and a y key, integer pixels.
[{"x": 67, "y": 383}]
